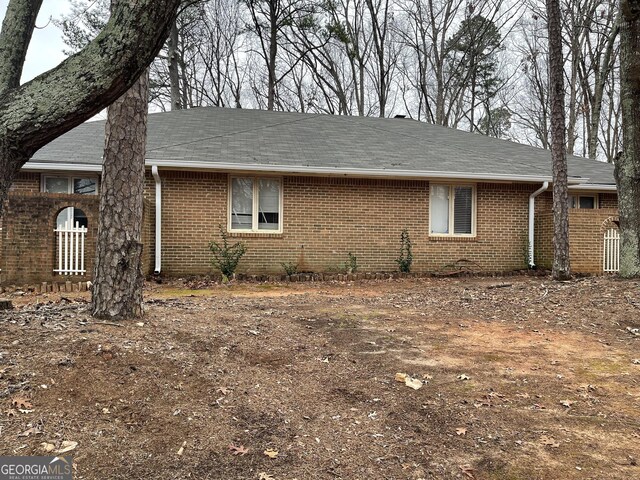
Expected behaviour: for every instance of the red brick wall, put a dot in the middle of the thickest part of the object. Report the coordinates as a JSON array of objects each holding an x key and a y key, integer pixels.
[
  {"x": 586, "y": 238},
  {"x": 325, "y": 218},
  {"x": 28, "y": 238}
]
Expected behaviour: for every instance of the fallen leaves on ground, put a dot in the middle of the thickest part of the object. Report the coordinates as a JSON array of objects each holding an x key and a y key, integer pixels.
[
  {"x": 21, "y": 403},
  {"x": 271, "y": 453},
  {"x": 238, "y": 449},
  {"x": 461, "y": 431},
  {"x": 67, "y": 446}
]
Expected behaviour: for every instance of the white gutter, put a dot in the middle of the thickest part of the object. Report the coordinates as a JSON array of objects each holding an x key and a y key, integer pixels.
[
  {"x": 156, "y": 177},
  {"x": 306, "y": 170},
  {"x": 594, "y": 186},
  {"x": 532, "y": 216},
  {"x": 363, "y": 172},
  {"x": 67, "y": 167}
]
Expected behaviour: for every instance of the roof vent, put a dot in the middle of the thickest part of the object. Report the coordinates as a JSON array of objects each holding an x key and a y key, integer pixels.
[{"x": 400, "y": 116}]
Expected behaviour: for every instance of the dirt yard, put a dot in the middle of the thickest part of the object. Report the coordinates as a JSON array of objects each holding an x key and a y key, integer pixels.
[{"x": 517, "y": 378}]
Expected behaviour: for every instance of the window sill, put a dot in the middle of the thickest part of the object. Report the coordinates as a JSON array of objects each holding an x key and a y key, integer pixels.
[
  {"x": 452, "y": 238},
  {"x": 255, "y": 234}
]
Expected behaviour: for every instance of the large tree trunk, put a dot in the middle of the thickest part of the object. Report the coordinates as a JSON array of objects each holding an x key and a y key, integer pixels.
[
  {"x": 118, "y": 280},
  {"x": 33, "y": 114},
  {"x": 627, "y": 168},
  {"x": 561, "y": 265}
]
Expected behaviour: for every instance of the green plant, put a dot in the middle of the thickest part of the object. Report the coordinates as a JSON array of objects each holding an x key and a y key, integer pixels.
[
  {"x": 226, "y": 257},
  {"x": 290, "y": 268},
  {"x": 525, "y": 246},
  {"x": 405, "y": 259},
  {"x": 351, "y": 264}
]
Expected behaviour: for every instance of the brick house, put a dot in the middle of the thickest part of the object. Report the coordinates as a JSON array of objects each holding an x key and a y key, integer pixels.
[{"x": 309, "y": 189}]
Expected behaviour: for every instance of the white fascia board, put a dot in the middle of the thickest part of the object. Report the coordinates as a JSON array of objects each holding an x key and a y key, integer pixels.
[
  {"x": 62, "y": 167},
  {"x": 347, "y": 172}
]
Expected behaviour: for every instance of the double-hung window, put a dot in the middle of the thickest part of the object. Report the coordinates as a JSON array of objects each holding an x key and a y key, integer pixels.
[
  {"x": 584, "y": 201},
  {"x": 452, "y": 210},
  {"x": 255, "y": 204}
]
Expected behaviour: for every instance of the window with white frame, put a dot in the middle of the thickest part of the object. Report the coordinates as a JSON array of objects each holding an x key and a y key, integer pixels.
[
  {"x": 255, "y": 204},
  {"x": 452, "y": 210},
  {"x": 69, "y": 184},
  {"x": 584, "y": 201}
]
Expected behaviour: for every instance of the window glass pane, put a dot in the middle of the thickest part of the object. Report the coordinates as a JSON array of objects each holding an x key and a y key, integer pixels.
[
  {"x": 462, "y": 210},
  {"x": 268, "y": 204},
  {"x": 84, "y": 186},
  {"x": 65, "y": 218},
  {"x": 587, "y": 202},
  {"x": 241, "y": 203},
  {"x": 56, "y": 185},
  {"x": 439, "y": 209},
  {"x": 573, "y": 201}
]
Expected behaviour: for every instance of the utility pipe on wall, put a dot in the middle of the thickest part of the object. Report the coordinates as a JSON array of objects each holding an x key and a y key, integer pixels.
[
  {"x": 156, "y": 177},
  {"x": 532, "y": 213}
]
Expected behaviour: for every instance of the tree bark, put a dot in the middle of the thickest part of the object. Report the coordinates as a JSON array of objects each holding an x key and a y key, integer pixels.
[
  {"x": 53, "y": 103},
  {"x": 17, "y": 28},
  {"x": 627, "y": 165},
  {"x": 561, "y": 265},
  {"x": 118, "y": 279}
]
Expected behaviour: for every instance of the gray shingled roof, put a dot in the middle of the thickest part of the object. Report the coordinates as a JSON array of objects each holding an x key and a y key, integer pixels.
[{"x": 252, "y": 137}]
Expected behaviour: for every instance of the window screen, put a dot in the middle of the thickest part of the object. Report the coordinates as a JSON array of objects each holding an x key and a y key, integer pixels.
[
  {"x": 439, "y": 209},
  {"x": 268, "y": 204},
  {"x": 242, "y": 203},
  {"x": 84, "y": 186},
  {"x": 462, "y": 210},
  {"x": 56, "y": 185},
  {"x": 587, "y": 202}
]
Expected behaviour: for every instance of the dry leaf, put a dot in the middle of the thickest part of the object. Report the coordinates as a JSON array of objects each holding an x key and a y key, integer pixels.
[
  {"x": 67, "y": 446},
  {"x": 31, "y": 431},
  {"x": 238, "y": 449},
  {"x": 181, "y": 449},
  {"x": 462, "y": 376},
  {"x": 225, "y": 390},
  {"x": 47, "y": 447},
  {"x": 265, "y": 476},
  {"x": 21, "y": 403},
  {"x": 413, "y": 383},
  {"x": 567, "y": 403},
  {"x": 401, "y": 377},
  {"x": 271, "y": 453},
  {"x": 461, "y": 431},
  {"x": 549, "y": 441},
  {"x": 11, "y": 412}
]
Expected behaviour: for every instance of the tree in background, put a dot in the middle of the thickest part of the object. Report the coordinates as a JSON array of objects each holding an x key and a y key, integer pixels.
[
  {"x": 33, "y": 114},
  {"x": 627, "y": 168},
  {"x": 561, "y": 266}
]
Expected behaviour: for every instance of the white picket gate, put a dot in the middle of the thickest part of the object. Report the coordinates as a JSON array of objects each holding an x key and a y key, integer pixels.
[
  {"x": 70, "y": 246},
  {"x": 611, "y": 260}
]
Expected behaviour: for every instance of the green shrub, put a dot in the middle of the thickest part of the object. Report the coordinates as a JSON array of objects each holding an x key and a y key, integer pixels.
[
  {"x": 290, "y": 268},
  {"x": 405, "y": 259},
  {"x": 225, "y": 257},
  {"x": 352, "y": 263}
]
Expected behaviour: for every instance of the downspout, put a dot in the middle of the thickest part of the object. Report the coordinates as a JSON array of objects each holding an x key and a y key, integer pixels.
[
  {"x": 532, "y": 217},
  {"x": 156, "y": 177}
]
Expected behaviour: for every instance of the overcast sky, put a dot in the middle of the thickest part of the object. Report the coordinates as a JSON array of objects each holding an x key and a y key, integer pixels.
[{"x": 45, "y": 50}]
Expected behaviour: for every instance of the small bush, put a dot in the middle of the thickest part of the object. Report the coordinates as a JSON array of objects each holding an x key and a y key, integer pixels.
[
  {"x": 405, "y": 259},
  {"x": 225, "y": 257},
  {"x": 290, "y": 268},
  {"x": 352, "y": 263}
]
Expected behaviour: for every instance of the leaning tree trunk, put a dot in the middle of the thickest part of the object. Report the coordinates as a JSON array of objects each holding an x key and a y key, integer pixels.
[
  {"x": 561, "y": 266},
  {"x": 627, "y": 168},
  {"x": 118, "y": 280}
]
